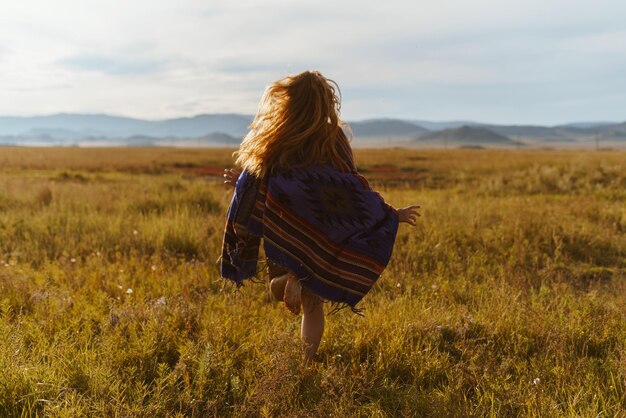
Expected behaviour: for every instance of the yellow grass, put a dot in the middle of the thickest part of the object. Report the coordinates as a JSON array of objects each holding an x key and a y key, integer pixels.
[{"x": 507, "y": 299}]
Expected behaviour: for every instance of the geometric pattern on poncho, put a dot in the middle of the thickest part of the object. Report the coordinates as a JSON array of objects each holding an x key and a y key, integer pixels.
[{"x": 327, "y": 226}]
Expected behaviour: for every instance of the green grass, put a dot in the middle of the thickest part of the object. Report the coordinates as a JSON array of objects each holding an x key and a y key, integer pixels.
[{"x": 507, "y": 299}]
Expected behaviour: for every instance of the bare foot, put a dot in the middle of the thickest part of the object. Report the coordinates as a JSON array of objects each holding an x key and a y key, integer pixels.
[
  {"x": 277, "y": 287},
  {"x": 293, "y": 294}
]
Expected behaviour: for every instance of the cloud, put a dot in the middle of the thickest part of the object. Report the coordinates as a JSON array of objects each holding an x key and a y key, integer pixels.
[
  {"x": 120, "y": 64},
  {"x": 510, "y": 60}
]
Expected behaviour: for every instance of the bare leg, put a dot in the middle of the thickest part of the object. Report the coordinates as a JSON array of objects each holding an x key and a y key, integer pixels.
[
  {"x": 293, "y": 293},
  {"x": 312, "y": 327},
  {"x": 277, "y": 287}
]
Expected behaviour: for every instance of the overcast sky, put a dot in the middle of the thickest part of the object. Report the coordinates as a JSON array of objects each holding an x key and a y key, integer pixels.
[{"x": 500, "y": 61}]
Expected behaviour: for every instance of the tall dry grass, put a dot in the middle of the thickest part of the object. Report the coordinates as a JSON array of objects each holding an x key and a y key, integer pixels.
[{"x": 507, "y": 299}]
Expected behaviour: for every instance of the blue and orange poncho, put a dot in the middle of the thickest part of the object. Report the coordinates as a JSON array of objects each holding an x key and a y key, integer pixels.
[{"x": 322, "y": 222}]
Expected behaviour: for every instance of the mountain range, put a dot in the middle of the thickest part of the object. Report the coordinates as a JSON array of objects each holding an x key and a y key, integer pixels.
[
  {"x": 228, "y": 129},
  {"x": 468, "y": 135}
]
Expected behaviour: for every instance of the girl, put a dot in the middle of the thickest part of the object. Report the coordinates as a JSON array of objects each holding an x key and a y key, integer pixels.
[{"x": 326, "y": 234}]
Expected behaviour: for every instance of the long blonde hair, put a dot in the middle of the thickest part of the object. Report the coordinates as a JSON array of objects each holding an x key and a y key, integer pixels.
[{"x": 297, "y": 125}]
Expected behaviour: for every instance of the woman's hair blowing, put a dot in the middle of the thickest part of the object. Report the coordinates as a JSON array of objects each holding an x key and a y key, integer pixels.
[{"x": 297, "y": 125}]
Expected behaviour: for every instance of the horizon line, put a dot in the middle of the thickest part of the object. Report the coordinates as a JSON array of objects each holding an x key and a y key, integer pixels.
[{"x": 381, "y": 118}]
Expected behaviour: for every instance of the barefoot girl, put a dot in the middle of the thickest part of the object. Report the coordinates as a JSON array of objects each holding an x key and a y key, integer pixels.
[{"x": 326, "y": 234}]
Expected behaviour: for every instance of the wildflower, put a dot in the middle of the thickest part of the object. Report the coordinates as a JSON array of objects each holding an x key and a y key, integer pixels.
[
  {"x": 536, "y": 381},
  {"x": 398, "y": 285},
  {"x": 129, "y": 291}
]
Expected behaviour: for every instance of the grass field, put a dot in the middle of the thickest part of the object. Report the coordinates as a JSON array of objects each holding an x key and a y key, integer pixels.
[{"x": 507, "y": 299}]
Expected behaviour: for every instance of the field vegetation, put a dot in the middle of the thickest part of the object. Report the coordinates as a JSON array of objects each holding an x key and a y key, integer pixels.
[{"x": 507, "y": 299}]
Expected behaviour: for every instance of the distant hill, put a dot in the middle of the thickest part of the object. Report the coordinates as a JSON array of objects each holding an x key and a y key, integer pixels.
[
  {"x": 563, "y": 133},
  {"x": 438, "y": 126},
  {"x": 220, "y": 138},
  {"x": 467, "y": 135},
  {"x": 385, "y": 128},
  {"x": 106, "y": 126},
  {"x": 228, "y": 129},
  {"x": 79, "y": 124},
  {"x": 586, "y": 125},
  {"x": 542, "y": 133},
  {"x": 613, "y": 132}
]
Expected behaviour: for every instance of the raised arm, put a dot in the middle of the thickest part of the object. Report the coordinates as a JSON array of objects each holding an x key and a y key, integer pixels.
[
  {"x": 230, "y": 176},
  {"x": 409, "y": 214}
]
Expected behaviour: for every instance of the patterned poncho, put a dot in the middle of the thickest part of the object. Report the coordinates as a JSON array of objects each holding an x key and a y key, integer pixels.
[{"x": 324, "y": 224}]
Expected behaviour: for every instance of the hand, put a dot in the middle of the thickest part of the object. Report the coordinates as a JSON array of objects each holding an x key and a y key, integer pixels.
[
  {"x": 409, "y": 214},
  {"x": 230, "y": 176}
]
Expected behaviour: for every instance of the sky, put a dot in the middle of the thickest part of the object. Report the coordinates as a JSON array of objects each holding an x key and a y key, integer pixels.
[{"x": 492, "y": 61}]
